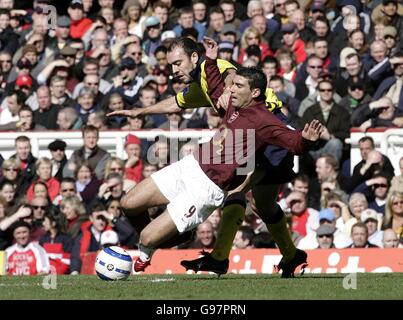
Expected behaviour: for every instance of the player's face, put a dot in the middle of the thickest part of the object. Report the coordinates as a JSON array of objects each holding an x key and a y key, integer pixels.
[
  {"x": 241, "y": 94},
  {"x": 182, "y": 64},
  {"x": 21, "y": 236}
]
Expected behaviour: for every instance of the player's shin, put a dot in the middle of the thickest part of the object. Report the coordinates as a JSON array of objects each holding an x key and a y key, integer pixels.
[
  {"x": 277, "y": 226},
  {"x": 232, "y": 218}
]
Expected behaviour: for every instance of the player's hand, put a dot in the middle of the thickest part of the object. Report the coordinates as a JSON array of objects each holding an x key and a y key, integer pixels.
[
  {"x": 223, "y": 100},
  {"x": 325, "y": 134},
  {"x": 211, "y": 48},
  {"x": 312, "y": 131},
  {"x": 127, "y": 113}
]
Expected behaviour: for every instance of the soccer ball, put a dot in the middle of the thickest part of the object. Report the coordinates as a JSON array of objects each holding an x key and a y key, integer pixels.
[{"x": 113, "y": 263}]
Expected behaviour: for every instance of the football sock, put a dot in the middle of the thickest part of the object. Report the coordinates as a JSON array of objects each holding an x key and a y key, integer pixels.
[
  {"x": 281, "y": 235},
  {"x": 145, "y": 252},
  {"x": 232, "y": 218}
]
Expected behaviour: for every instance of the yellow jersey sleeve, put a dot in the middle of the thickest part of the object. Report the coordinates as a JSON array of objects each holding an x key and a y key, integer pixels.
[
  {"x": 272, "y": 101},
  {"x": 196, "y": 94}
]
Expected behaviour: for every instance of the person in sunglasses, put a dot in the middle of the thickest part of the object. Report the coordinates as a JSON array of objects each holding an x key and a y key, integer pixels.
[
  {"x": 335, "y": 120},
  {"x": 357, "y": 94}
]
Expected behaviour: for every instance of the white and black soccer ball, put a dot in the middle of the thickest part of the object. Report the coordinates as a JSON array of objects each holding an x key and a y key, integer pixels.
[{"x": 113, "y": 263}]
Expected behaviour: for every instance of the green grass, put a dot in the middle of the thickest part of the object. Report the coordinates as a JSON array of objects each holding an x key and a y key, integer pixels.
[{"x": 206, "y": 287}]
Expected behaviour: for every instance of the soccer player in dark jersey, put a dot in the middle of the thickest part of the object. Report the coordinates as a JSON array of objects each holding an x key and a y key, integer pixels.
[{"x": 193, "y": 189}]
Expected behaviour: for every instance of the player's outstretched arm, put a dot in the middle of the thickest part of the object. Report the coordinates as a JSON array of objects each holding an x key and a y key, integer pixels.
[
  {"x": 312, "y": 131},
  {"x": 165, "y": 106}
]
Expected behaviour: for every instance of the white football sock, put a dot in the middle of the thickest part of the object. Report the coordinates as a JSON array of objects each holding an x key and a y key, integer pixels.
[{"x": 145, "y": 252}]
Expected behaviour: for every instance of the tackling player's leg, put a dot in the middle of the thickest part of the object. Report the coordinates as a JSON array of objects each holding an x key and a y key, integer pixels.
[
  {"x": 154, "y": 234},
  {"x": 270, "y": 212},
  {"x": 135, "y": 203}
]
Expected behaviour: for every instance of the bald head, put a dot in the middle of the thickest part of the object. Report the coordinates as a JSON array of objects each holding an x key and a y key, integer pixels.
[{"x": 390, "y": 239}]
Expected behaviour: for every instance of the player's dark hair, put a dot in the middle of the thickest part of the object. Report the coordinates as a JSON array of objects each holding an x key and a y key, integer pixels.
[
  {"x": 256, "y": 79},
  {"x": 187, "y": 44}
]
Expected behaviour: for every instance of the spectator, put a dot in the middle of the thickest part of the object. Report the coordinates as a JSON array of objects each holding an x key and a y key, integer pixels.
[
  {"x": 89, "y": 237},
  {"x": 73, "y": 210},
  {"x": 336, "y": 122},
  {"x": 357, "y": 204},
  {"x": 57, "y": 149},
  {"x": 128, "y": 83},
  {"x": 67, "y": 188},
  {"x": 356, "y": 95},
  {"x": 134, "y": 164},
  {"x": 148, "y": 170},
  {"x": 44, "y": 174},
  {"x": 91, "y": 152},
  {"x": 127, "y": 236},
  {"x": 304, "y": 219},
  {"x": 244, "y": 238},
  {"x": 373, "y": 221},
  {"x": 79, "y": 24},
  {"x": 251, "y": 36},
  {"x": 205, "y": 238},
  {"x": 46, "y": 114},
  {"x": 307, "y": 87},
  {"x": 152, "y": 34},
  {"x": 57, "y": 243},
  {"x": 328, "y": 218},
  {"x": 394, "y": 213},
  {"x": 9, "y": 112},
  {"x": 86, "y": 104},
  {"x": 292, "y": 41},
  {"x": 390, "y": 239},
  {"x": 186, "y": 20},
  {"x": 380, "y": 113},
  {"x": 7, "y": 191},
  {"x": 115, "y": 102},
  {"x": 372, "y": 162},
  {"x": 68, "y": 119},
  {"x": 87, "y": 183},
  {"x": 25, "y": 121},
  {"x": 26, "y": 257},
  {"x": 26, "y": 159},
  {"x": 325, "y": 236},
  {"x": 397, "y": 181},
  {"x": 359, "y": 234},
  {"x": 40, "y": 206},
  {"x": 376, "y": 191},
  {"x": 11, "y": 172},
  {"x": 216, "y": 22}
]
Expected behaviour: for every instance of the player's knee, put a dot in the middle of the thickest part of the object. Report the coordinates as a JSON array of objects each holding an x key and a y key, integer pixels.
[
  {"x": 146, "y": 238},
  {"x": 236, "y": 198}
]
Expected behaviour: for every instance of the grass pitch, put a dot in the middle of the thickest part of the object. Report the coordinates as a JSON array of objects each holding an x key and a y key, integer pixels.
[{"x": 206, "y": 287}]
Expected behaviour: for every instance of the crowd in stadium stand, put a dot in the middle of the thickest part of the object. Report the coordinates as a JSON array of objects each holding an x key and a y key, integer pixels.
[{"x": 339, "y": 61}]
